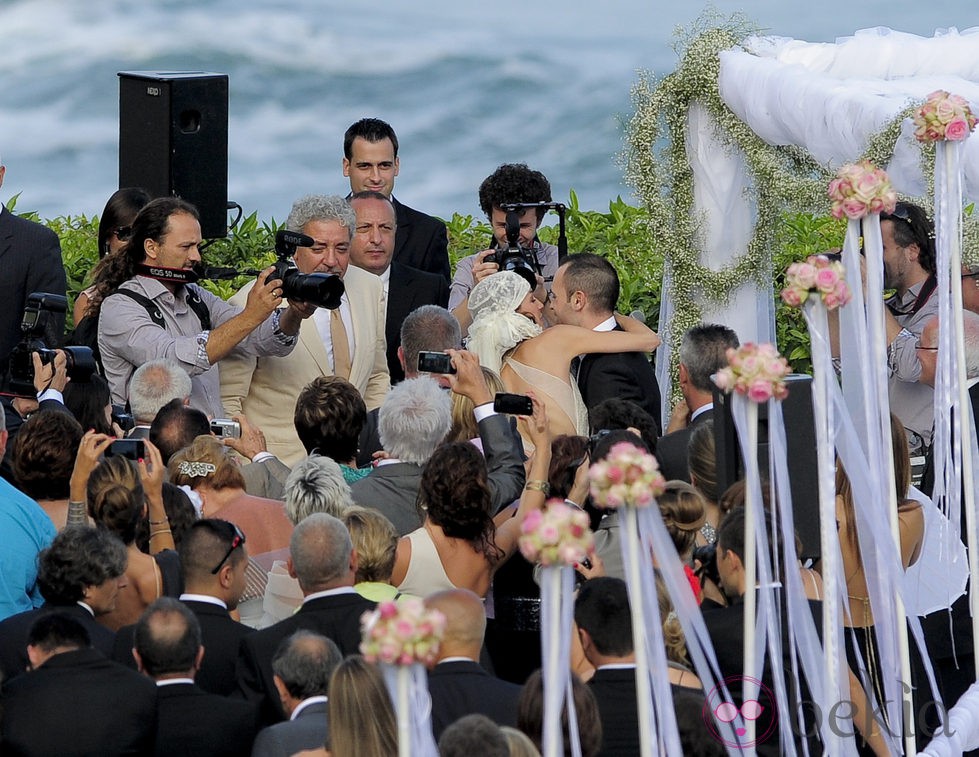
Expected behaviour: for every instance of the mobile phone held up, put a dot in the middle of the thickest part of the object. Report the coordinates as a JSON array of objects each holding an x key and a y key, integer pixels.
[
  {"x": 513, "y": 404},
  {"x": 131, "y": 449},
  {"x": 435, "y": 362}
]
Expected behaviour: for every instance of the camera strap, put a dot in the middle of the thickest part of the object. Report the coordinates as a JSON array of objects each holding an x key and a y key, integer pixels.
[
  {"x": 194, "y": 302},
  {"x": 176, "y": 275}
]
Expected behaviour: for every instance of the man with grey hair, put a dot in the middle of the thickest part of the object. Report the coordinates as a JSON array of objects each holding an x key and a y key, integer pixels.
[
  {"x": 413, "y": 422},
  {"x": 430, "y": 328},
  {"x": 703, "y": 352},
  {"x": 347, "y": 342},
  {"x": 322, "y": 559},
  {"x": 152, "y": 386},
  {"x": 301, "y": 669},
  {"x": 316, "y": 485}
]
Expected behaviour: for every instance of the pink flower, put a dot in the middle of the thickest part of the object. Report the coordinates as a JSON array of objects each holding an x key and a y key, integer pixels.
[
  {"x": 854, "y": 208},
  {"x": 945, "y": 110},
  {"x": 957, "y": 129},
  {"x": 826, "y": 280}
]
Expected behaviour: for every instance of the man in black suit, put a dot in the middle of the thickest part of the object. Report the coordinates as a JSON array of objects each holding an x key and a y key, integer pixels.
[
  {"x": 458, "y": 684},
  {"x": 584, "y": 293},
  {"x": 80, "y": 576},
  {"x": 371, "y": 162},
  {"x": 601, "y": 612},
  {"x": 406, "y": 288},
  {"x": 75, "y": 701},
  {"x": 30, "y": 257},
  {"x": 702, "y": 354},
  {"x": 209, "y": 543},
  {"x": 302, "y": 667},
  {"x": 190, "y": 721},
  {"x": 322, "y": 559}
]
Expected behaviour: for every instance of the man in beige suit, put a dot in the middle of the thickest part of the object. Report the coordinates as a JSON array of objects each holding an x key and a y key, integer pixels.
[{"x": 265, "y": 389}]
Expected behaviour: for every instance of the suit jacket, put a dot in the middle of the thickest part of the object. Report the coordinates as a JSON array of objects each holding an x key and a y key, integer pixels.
[
  {"x": 79, "y": 703},
  {"x": 421, "y": 241},
  {"x": 619, "y": 375},
  {"x": 408, "y": 290},
  {"x": 265, "y": 388},
  {"x": 266, "y": 478},
  {"x": 14, "y": 631},
  {"x": 221, "y": 637},
  {"x": 462, "y": 688},
  {"x": 192, "y": 722},
  {"x": 393, "y": 488},
  {"x": 615, "y": 692},
  {"x": 671, "y": 450},
  {"x": 308, "y": 731},
  {"x": 337, "y": 617},
  {"x": 30, "y": 258}
]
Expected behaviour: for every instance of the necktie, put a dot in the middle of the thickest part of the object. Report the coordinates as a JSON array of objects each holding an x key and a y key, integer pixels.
[{"x": 341, "y": 347}]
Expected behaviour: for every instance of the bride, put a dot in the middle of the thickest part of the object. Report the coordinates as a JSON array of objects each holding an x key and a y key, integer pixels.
[{"x": 507, "y": 336}]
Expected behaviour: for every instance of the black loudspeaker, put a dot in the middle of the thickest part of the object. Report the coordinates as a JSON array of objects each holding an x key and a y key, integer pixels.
[
  {"x": 173, "y": 140},
  {"x": 800, "y": 438}
]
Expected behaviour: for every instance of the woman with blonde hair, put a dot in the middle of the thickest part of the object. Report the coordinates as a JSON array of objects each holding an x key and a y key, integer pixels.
[
  {"x": 375, "y": 540},
  {"x": 464, "y": 428},
  {"x": 210, "y": 472},
  {"x": 362, "y": 720}
]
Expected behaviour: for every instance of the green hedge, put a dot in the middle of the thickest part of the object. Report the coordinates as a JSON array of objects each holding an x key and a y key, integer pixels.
[{"x": 619, "y": 234}]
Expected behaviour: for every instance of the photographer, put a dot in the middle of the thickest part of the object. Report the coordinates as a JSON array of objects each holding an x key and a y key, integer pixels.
[
  {"x": 510, "y": 183},
  {"x": 150, "y": 307},
  {"x": 346, "y": 341}
]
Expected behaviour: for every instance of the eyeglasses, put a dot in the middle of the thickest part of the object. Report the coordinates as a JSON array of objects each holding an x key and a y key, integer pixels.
[
  {"x": 237, "y": 541},
  {"x": 122, "y": 233}
]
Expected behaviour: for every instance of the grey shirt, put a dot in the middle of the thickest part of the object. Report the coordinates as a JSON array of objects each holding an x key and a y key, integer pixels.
[
  {"x": 128, "y": 337},
  {"x": 911, "y": 401},
  {"x": 462, "y": 282}
]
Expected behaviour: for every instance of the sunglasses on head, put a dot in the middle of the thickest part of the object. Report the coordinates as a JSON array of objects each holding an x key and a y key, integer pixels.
[{"x": 237, "y": 541}]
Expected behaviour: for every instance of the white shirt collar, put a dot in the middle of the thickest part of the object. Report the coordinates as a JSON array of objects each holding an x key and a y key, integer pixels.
[
  {"x": 173, "y": 681},
  {"x": 457, "y": 658},
  {"x": 701, "y": 410},
  {"x": 87, "y": 607},
  {"x": 607, "y": 325},
  {"x": 187, "y": 597},
  {"x": 329, "y": 593},
  {"x": 617, "y": 666},
  {"x": 306, "y": 703}
]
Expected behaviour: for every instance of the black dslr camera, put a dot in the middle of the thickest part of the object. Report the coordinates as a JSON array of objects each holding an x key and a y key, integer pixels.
[
  {"x": 523, "y": 260},
  {"x": 42, "y": 316},
  {"x": 321, "y": 289}
]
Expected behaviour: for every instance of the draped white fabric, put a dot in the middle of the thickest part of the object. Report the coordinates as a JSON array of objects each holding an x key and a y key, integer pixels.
[{"x": 832, "y": 98}]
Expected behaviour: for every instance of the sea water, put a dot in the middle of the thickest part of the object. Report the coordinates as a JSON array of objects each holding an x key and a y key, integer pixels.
[{"x": 466, "y": 85}]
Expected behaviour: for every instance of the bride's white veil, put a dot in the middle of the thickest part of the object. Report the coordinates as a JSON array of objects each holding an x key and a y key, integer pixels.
[{"x": 497, "y": 327}]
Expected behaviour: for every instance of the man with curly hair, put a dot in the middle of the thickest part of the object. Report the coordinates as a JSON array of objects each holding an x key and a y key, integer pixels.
[{"x": 510, "y": 183}]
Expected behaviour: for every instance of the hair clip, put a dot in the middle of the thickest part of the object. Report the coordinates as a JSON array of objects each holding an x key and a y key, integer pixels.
[{"x": 196, "y": 469}]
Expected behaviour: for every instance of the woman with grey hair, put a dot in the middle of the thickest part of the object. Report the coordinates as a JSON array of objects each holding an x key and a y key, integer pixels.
[{"x": 316, "y": 485}]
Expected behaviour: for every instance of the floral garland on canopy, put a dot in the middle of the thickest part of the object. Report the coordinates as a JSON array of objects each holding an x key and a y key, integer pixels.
[{"x": 786, "y": 178}]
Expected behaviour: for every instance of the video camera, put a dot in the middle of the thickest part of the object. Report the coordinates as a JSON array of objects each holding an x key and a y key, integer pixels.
[
  {"x": 523, "y": 260},
  {"x": 321, "y": 289},
  {"x": 40, "y": 328}
]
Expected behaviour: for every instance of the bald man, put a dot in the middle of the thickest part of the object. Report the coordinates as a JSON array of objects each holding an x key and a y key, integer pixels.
[{"x": 458, "y": 683}]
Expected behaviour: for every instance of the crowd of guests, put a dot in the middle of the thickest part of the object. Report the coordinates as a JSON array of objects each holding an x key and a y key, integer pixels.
[{"x": 195, "y": 581}]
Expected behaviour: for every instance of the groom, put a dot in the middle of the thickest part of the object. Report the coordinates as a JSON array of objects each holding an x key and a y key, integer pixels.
[{"x": 584, "y": 293}]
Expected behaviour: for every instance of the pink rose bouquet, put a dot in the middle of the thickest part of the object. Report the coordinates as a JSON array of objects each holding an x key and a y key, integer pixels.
[
  {"x": 402, "y": 633},
  {"x": 756, "y": 371},
  {"x": 558, "y": 535},
  {"x": 817, "y": 275},
  {"x": 943, "y": 117},
  {"x": 860, "y": 189},
  {"x": 627, "y": 476}
]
